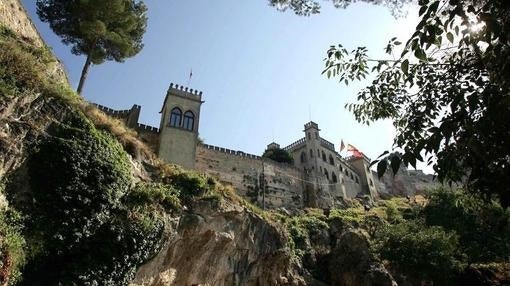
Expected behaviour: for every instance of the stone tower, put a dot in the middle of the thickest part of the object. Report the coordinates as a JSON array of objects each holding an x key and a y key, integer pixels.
[{"x": 180, "y": 117}]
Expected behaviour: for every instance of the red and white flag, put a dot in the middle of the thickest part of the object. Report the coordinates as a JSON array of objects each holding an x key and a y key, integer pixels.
[
  {"x": 342, "y": 146},
  {"x": 355, "y": 152}
]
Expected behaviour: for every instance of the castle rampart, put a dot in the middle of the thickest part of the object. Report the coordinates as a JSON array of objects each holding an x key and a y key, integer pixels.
[{"x": 250, "y": 174}]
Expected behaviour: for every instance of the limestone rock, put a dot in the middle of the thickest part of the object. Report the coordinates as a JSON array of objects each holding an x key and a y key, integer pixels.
[
  {"x": 232, "y": 246},
  {"x": 352, "y": 264}
]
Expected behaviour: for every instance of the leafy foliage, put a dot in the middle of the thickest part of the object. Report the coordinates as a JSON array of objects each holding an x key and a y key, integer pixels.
[
  {"x": 83, "y": 169},
  {"x": 310, "y": 7},
  {"x": 12, "y": 246},
  {"x": 278, "y": 155},
  {"x": 82, "y": 208},
  {"x": 426, "y": 253},
  {"x": 152, "y": 195},
  {"x": 190, "y": 184},
  {"x": 483, "y": 227},
  {"x": 447, "y": 94},
  {"x": 102, "y": 30}
]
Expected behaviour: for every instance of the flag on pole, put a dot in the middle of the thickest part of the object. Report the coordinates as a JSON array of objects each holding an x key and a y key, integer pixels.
[
  {"x": 342, "y": 146},
  {"x": 190, "y": 73},
  {"x": 355, "y": 152}
]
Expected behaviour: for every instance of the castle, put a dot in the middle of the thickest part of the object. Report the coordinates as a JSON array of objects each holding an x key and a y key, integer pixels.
[{"x": 319, "y": 177}]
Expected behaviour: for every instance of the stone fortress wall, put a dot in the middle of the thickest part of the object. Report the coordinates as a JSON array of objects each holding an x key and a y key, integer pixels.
[
  {"x": 250, "y": 174},
  {"x": 14, "y": 16}
]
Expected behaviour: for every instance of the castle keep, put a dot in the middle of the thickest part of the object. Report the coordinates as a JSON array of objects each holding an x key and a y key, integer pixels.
[{"x": 319, "y": 177}]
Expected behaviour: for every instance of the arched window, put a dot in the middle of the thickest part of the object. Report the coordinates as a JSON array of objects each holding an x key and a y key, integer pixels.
[
  {"x": 311, "y": 153},
  {"x": 334, "y": 178},
  {"x": 175, "y": 117},
  {"x": 303, "y": 157},
  {"x": 324, "y": 156},
  {"x": 189, "y": 120},
  {"x": 331, "y": 161},
  {"x": 326, "y": 173}
]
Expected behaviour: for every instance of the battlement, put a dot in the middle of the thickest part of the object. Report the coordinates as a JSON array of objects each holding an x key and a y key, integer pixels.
[
  {"x": 295, "y": 145},
  {"x": 184, "y": 91},
  {"x": 231, "y": 152},
  {"x": 311, "y": 125},
  {"x": 146, "y": 128},
  {"x": 117, "y": 113},
  {"x": 328, "y": 145}
]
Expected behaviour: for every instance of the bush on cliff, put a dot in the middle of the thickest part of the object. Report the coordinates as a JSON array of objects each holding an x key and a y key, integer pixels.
[
  {"x": 12, "y": 246},
  {"x": 424, "y": 253},
  {"x": 85, "y": 226},
  {"x": 483, "y": 226}
]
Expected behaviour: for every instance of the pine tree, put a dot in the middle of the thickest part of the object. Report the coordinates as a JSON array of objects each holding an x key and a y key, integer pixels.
[{"x": 101, "y": 30}]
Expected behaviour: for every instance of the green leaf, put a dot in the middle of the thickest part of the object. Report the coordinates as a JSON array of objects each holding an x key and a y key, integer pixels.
[
  {"x": 449, "y": 36},
  {"x": 422, "y": 10},
  {"x": 434, "y": 6},
  {"x": 420, "y": 54},
  {"x": 381, "y": 168},
  {"x": 405, "y": 67},
  {"x": 395, "y": 164}
]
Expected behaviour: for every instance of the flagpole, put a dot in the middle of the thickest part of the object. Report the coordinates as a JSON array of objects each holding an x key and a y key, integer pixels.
[{"x": 190, "y": 76}]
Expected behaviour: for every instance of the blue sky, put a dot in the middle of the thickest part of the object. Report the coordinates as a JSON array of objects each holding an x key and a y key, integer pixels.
[{"x": 259, "y": 69}]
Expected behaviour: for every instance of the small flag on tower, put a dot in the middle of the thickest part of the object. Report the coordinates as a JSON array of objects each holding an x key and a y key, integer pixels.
[{"x": 342, "y": 146}]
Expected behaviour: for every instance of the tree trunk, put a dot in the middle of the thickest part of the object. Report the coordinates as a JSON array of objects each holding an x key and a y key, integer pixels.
[{"x": 84, "y": 74}]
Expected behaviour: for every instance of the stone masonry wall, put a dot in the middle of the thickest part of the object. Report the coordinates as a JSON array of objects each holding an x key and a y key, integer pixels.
[
  {"x": 14, "y": 16},
  {"x": 284, "y": 185}
]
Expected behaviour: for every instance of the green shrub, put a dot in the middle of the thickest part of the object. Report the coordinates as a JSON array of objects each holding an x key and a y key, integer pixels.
[
  {"x": 302, "y": 229},
  {"x": 483, "y": 227},
  {"x": 12, "y": 246},
  {"x": 349, "y": 215},
  {"x": 191, "y": 184},
  {"x": 278, "y": 155},
  {"x": 424, "y": 253},
  {"x": 393, "y": 215},
  {"x": 86, "y": 228},
  {"x": 109, "y": 257},
  {"x": 78, "y": 175},
  {"x": 153, "y": 195}
]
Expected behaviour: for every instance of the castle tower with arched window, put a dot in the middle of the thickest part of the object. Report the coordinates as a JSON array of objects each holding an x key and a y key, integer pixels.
[{"x": 179, "y": 126}]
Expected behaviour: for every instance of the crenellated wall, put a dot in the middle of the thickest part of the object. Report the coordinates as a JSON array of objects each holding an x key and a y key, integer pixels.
[{"x": 247, "y": 173}]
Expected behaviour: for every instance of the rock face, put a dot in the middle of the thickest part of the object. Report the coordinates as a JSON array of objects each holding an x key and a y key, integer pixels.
[
  {"x": 229, "y": 247},
  {"x": 351, "y": 262}
]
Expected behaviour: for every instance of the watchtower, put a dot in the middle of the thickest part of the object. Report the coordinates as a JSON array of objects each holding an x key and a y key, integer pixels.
[{"x": 180, "y": 116}]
